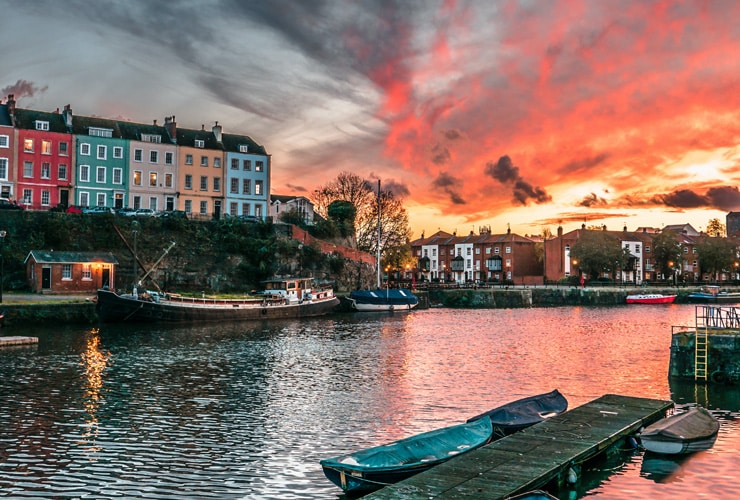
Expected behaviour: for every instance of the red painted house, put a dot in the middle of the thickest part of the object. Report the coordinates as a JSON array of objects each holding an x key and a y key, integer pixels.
[{"x": 44, "y": 169}]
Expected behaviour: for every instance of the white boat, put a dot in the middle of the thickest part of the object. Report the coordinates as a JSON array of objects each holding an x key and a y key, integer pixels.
[
  {"x": 650, "y": 298},
  {"x": 680, "y": 433}
]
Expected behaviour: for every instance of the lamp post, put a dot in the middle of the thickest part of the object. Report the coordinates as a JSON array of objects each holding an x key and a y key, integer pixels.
[{"x": 2, "y": 262}]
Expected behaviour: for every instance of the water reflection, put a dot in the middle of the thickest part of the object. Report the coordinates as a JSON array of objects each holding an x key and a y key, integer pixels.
[
  {"x": 247, "y": 410},
  {"x": 94, "y": 361}
]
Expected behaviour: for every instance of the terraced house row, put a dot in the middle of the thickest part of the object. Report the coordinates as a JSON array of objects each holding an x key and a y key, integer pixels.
[{"x": 51, "y": 159}]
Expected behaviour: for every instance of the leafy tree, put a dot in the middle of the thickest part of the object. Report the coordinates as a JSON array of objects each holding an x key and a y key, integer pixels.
[
  {"x": 716, "y": 228},
  {"x": 343, "y": 214},
  {"x": 598, "y": 252},
  {"x": 666, "y": 252},
  {"x": 716, "y": 255}
]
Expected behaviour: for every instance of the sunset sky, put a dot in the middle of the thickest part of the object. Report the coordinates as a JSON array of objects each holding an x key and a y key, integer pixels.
[{"x": 521, "y": 114}]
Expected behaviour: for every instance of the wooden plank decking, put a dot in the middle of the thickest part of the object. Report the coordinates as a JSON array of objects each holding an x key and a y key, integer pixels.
[
  {"x": 530, "y": 459},
  {"x": 8, "y": 341}
]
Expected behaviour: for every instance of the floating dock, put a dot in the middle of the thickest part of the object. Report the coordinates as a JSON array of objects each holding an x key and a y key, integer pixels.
[
  {"x": 9, "y": 341},
  {"x": 532, "y": 458}
]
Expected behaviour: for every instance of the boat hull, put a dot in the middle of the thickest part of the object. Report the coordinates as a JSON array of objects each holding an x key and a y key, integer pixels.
[
  {"x": 523, "y": 413},
  {"x": 394, "y": 299},
  {"x": 651, "y": 298},
  {"x": 688, "y": 432},
  {"x": 114, "y": 308},
  {"x": 373, "y": 468}
]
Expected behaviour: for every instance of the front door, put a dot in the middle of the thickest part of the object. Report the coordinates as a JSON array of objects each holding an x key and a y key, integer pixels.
[
  {"x": 46, "y": 278},
  {"x": 106, "y": 278},
  {"x": 64, "y": 198}
]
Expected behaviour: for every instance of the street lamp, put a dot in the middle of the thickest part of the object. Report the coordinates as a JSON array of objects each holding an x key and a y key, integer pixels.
[{"x": 2, "y": 262}]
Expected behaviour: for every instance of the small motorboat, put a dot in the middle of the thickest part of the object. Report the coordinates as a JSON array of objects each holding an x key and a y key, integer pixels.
[
  {"x": 650, "y": 298},
  {"x": 525, "y": 412},
  {"x": 687, "y": 432}
]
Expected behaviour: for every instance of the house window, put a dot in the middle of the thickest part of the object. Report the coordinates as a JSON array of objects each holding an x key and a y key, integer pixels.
[
  {"x": 117, "y": 152},
  {"x": 27, "y": 196},
  {"x": 28, "y": 145},
  {"x": 151, "y": 138},
  {"x": 200, "y": 143},
  {"x": 234, "y": 164},
  {"x": 258, "y": 211},
  {"x": 153, "y": 156},
  {"x": 152, "y": 179},
  {"x": 84, "y": 199},
  {"x": 169, "y": 158},
  {"x": 647, "y": 249},
  {"x": 153, "y": 203},
  {"x": 27, "y": 169},
  {"x": 100, "y": 132},
  {"x": 137, "y": 202},
  {"x": 189, "y": 206},
  {"x": 87, "y": 272},
  {"x": 4, "y": 141},
  {"x": 45, "y": 198},
  {"x": 203, "y": 161},
  {"x": 637, "y": 248},
  {"x": 243, "y": 148},
  {"x": 217, "y": 163},
  {"x": 63, "y": 147},
  {"x": 204, "y": 183},
  {"x": 42, "y": 125},
  {"x": 66, "y": 271},
  {"x": 496, "y": 250},
  {"x": 102, "y": 152},
  {"x": 508, "y": 262},
  {"x": 117, "y": 176},
  {"x": 137, "y": 177},
  {"x": 168, "y": 180},
  {"x": 100, "y": 200},
  {"x": 85, "y": 149},
  {"x": 188, "y": 181},
  {"x": 245, "y": 208},
  {"x": 217, "y": 184},
  {"x": 233, "y": 208},
  {"x": 247, "y": 165},
  {"x": 203, "y": 208},
  {"x": 258, "y": 188},
  {"x": 45, "y": 147},
  {"x": 259, "y": 166},
  {"x": 46, "y": 170},
  {"x": 246, "y": 186},
  {"x": 138, "y": 155},
  {"x": 234, "y": 186},
  {"x": 62, "y": 171},
  {"x": 188, "y": 159},
  {"x": 685, "y": 249},
  {"x": 100, "y": 175},
  {"x": 508, "y": 249},
  {"x": 4, "y": 169}
]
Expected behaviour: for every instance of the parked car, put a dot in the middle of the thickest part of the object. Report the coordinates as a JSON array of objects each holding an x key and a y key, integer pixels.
[
  {"x": 6, "y": 204},
  {"x": 145, "y": 212},
  {"x": 174, "y": 214},
  {"x": 74, "y": 209},
  {"x": 125, "y": 211},
  {"x": 97, "y": 210}
]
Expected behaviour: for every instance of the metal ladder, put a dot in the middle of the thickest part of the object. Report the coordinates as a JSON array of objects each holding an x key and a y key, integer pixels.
[{"x": 700, "y": 343}]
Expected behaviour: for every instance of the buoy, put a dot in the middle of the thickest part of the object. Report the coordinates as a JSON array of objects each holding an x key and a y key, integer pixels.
[{"x": 572, "y": 476}]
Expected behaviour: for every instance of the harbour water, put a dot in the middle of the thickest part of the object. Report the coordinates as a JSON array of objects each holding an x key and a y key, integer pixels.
[{"x": 247, "y": 410}]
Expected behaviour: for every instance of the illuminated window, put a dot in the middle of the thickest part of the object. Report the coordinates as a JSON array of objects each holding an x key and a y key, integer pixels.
[
  {"x": 28, "y": 145},
  {"x": 137, "y": 177},
  {"x": 152, "y": 179},
  {"x": 45, "y": 147}
]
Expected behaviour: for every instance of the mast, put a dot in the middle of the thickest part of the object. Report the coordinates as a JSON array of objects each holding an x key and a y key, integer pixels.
[{"x": 377, "y": 261}]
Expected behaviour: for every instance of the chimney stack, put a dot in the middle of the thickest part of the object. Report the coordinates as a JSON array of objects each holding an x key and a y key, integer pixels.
[
  {"x": 171, "y": 126},
  {"x": 217, "y": 132},
  {"x": 67, "y": 115},
  {"x": 11, "y": 104}
]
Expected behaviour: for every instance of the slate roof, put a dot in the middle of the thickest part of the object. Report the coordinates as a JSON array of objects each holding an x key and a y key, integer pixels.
[
  {"x": 231, "y": 142},
  {"x": 54, "y": 257},
  {"x": 5, "y": 116},
  {"x": 187, "y": 138},
  {"x": 26, "y": 119}
]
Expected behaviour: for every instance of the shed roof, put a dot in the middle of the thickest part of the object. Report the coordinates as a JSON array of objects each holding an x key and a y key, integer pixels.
[{"x": 52, "y": 257}]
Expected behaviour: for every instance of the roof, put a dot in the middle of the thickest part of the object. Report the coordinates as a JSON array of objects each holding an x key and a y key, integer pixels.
[
  {"x": 5, "y": 116},
  {"x": 232, "y": 142},
  {"x": 26, "y": 119},
  {"x": 52, "y": 257}
]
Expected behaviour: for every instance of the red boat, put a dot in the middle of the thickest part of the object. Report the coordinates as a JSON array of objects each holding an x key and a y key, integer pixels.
[{"x": 650, "y": 298}]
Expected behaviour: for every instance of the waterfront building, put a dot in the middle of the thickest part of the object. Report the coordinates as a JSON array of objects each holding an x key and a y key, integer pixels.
[
  {"x": 280, "y": 204},
  {"x": 44, "y": 154},
  {"x": 69, "y": 272},
  {"x": 7, "y": 153},
  {"x": 101, "y": 161},
  {"x": 200, "y": 156},
  {"x": 247, "y": 173}
]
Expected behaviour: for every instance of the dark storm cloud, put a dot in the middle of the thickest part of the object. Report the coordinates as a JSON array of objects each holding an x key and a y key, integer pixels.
[
  {"x": 440, "y": 155},
  {"x": 592, "y": 200},
  {"x": 724, "y": 198},
  {"x": 449, "y": 185},
  {"x": 22, "y": 88},
  {"x": 452, "y": 134},
  {"x": 584, "y": 164},
  {"x": 682, "y": 198},
  {"x": 398, "y": 189},
  {"x": 298, "y": 189},
  {"x": 523, "y": 192}
]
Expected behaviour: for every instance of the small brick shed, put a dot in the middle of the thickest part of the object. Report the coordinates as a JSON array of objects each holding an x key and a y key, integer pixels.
[{"x": 69, "y": 272}]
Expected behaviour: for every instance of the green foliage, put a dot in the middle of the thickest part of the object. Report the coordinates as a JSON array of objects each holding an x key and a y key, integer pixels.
[
  {"x": 342, "y": 213},
  {"x": 666, "y": 252},
  {"x": 598, "y": 252},
  {"x": 716, "y": 255}
]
